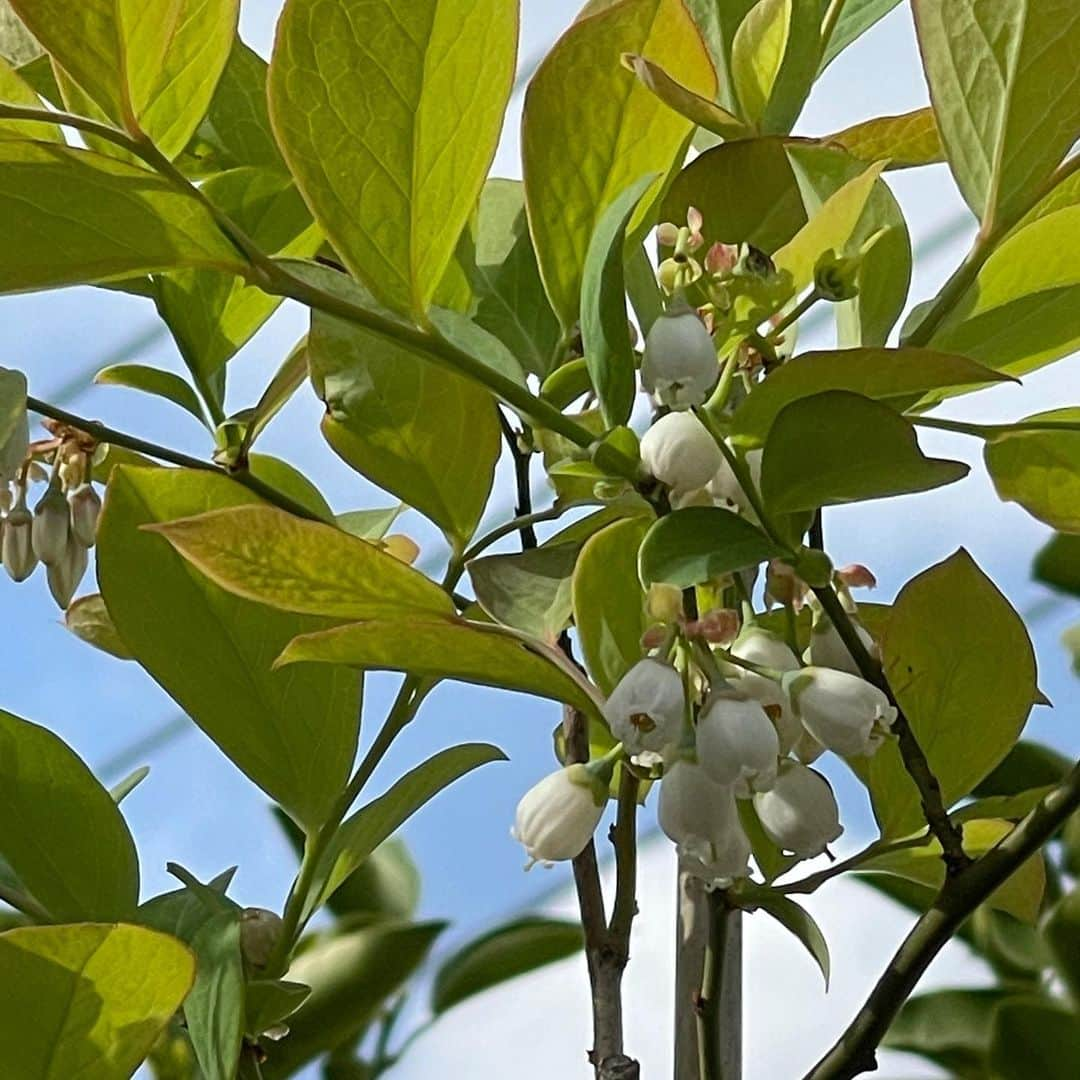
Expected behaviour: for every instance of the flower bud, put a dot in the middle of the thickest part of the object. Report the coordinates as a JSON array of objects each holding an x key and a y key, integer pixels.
[
  {"x": 844, "y": 713},
  {"x": 664, "y": 602},
  {"x": 679, "y": 368},
  {"x": 557, "y": 817},
  {"x": 52, "y": 526},
  {"x": 827, "y": 648},
  {"x": 702, "y": 819},
  {"x": 680, "y": 452},
  {"x": 647, "y": 710},
  {"x": 799, "y": 813},
  {"x": 762, "y": 647},
  {"x": 85, "y": 506},
  {"x": 64, "y": 576},
  {"x": 259, "y": 933},
  {"x": 737, "y": 743},
  {"x": 836, "y": 277},
  {"x": 18, "y": 549}
]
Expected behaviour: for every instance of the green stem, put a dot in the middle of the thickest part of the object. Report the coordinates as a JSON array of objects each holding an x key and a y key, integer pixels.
[
  {"x": 102, "y": 433},
  {"x": 719, "y": 398},
  {"x": 24, "y": 902},
  {"x": 812, "y": 882},
  {"x": 989, "y": 432},
  {"x": 624, "y": 840},
  {"x": 855, "y": 1050},
  {"x": 709, "y": 1027},
  {"x": 796, "y": 313},
  {"x": 514, "y": 525},
  {"x": 828, "y": 24}
]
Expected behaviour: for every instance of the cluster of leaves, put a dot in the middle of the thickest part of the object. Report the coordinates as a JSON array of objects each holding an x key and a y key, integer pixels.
[{"x": 351, "y": 175}]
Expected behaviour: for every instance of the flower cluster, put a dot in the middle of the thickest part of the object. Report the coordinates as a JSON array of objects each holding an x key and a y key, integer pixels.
[{"x": 61, "y": 528}]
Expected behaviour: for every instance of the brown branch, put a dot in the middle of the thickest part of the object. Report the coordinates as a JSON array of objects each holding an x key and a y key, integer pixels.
[{"x": 855, "y": 1051}]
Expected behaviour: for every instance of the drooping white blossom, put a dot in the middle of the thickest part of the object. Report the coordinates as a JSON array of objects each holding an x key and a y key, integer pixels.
[
  {"x": 557, "y": 816},
  {"x": 844, "y": 713},
  {"x": 647, "y": 709},
  {"x": 679, "y": 367},
  {"x": 680, "y": 452},
  {"x": 737, "y": 743},
  {"x": 762, "y": 647},
  {"x": 799, "y": 813}
]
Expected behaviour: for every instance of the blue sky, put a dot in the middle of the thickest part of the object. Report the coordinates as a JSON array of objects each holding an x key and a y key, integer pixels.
[{"x": 196, "y": 809}]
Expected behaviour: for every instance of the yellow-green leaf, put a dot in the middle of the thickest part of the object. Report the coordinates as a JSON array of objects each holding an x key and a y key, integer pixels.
[
  {"x": 582, "y": 97},
  {"x": 88, "y": 619},
  {"x": 388, "y": 115},
  {"x": 758, "y": 52},
  {"x": 1019, "y": 895},
  {"x": 1040, "y": 470},
  {"x": 60, "y": 830},
  {"x": 87, "y": 1000},
  {"x": 441, "y": 648},
  {"x": 903, "y": 141},
  {"x": 264, "y": 554},
  {"x": 73, "y": 216},
  {"x": 1005, "y": 86},
  {"x": 14, "y": 91},
  {"x": 150, "y": 65},
  {"x": 961, "y": 665},
  {"x": 293, "y": 733}
]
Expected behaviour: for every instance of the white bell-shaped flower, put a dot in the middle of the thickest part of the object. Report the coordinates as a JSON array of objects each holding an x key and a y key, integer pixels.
[
  {"x": 64, "y": 576},
  {"x": 762, "y": 647},
  {"x": 679, "y": 366},
  {"x": 799, "y": 813},
  {"x": 702, "y": 819},
  {"x": 680, "y": 452},
  {"x": 557, "y": 817},
  {"x": 17, "y": 542},
  {"x": 807, "y": 749},
  {"x": 85, "y": 510},
  {"x": 52, "y": 526},
  {"x": 647, "y": 710},
  {"x": 844, "y": 713},
  {"x": 827, "y": 648},
  {"x": 737, "y": 744}
]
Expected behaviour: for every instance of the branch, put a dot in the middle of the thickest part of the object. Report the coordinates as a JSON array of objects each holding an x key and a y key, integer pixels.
[
  {"x": 102, "y": 433},
  {"x": 949, "y": 834},
  {"x": 523, "y": 510},
  {"x": 855, "y": 1051}
]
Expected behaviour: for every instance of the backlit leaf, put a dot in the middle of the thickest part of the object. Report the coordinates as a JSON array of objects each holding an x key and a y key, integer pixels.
[
  {"x": 904, "y": 141},
  {"x": 163, "y": 384},
  {"x": 801, "y": 923},
  {"x": 14, "y": 91}
]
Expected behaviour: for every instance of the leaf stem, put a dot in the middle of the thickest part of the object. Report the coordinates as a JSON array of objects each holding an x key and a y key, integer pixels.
[
  {"x": 102, "y": 433},
  {"x": 828, "y": 24},
  {"x": 796, "y": 313},
  {"x": 812, "y": 882},
  {"x": 517, "y": 524},
  {"x": 990, "y": 432},
  {"x": 24, "y": 902},
  {"x": 855, "y": 1050}
]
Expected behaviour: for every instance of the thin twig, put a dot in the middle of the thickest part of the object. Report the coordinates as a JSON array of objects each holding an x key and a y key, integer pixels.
[{"x": 855, "y": 1050}]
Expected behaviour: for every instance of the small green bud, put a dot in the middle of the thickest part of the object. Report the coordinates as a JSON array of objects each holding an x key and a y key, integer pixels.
[
  {"x": 836, "y": 276},
  {"x": 813, "y": 566},
  {"x": 259, "y": 933}
]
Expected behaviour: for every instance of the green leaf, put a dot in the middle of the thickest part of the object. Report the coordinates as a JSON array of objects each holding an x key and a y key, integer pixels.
[
  {"x": 1033, "y": 1037},
  {"x": 1026, "y": 765},
  {"x": 904, "y": 141},
  {"x": 700, "y": 544},
  {"x": 1012, "y": 807},
  {"x": 214, "y": 1010},
  {"x": 605, "y": 329},
  {"x": 1062, "y": 933},
  {"x": 718, "y": 23},
  {"x": 581, "y": 96},
  {"x": 801, "y": 923},
  {"x": 1020, "y": 894},
  {"x": 609, "y": 604},
  {"x": 1040, "y": 470},
  {"x": 371, "y": 525},
  {"x": 528, "y": 591},
  {"x": 352, "y": 977},
  {"x": 87, "y": 1000},
  {"x": 286, "y": 381},
  {"x": 17, "y": 44},
  {"x": 386, "y": 884},
  {"x": 511, "y": 302},
  {"x": 359, "y": 835},
  {"x": 514, "y": 949},
  {"x": 236, "y": 129},
  {"x": 154, "y": 381},
  {"x": 746, "y": 192},
  {"x": 15, "y": 91},
  {"x": 951, "y": 1028},
  {"x": 893, "y": 376},
  {"x": 293, "y": 733},
  {"x": 12, "y": 416},
  {"x": 388, "y": 117},
  {"x": 397, "y": 417},
  {"x": 266, "y": 555},
  {"x": 439, "y": 648},
  {"x": 881, "y": 238},
  {"x": 60, "y": 829},
  {"x": 831, "y": 228},
  {"x": 267, "y": 1002},
  {"x": 856, "y": 17},
  {"x": 288, "y": 480},
  {"x": 1058, "y": 564},
  {"x": 212, "y": 315},
  {"x": 704, "y": 112},
  {"x": 74, "y": 216},
  {"x": 1006, "y": 90},
  {"x": 840, "y": 447},
  {"x": 184, "y": 912},
  {"x": 960, "y": 663},
  {"x": 150, "y": 65}
]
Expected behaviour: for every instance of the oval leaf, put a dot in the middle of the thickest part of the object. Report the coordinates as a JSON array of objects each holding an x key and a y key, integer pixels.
[
  {"x": 163, "y": 384},
  {"x": 801, "y": 923},
  {"x": 60, "y": 829}
]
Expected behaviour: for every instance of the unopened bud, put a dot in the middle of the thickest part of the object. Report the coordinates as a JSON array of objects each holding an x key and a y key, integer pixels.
[
  {"x": 85, "y": 510},
  {"x": 679, "y": 368},
  {"x": 783, "y": 585},
  {"x": 836, "y": 276},
  {"x": 721, "y": 258},
  {"x": 52, "y": 526},
  {"x": 680, "y": 452},
  {"x": 18, "y": 547},
  {"x": 667, "y": 233},
  {"x": 664, "y": 603},
  {"x": 65, "y": 576},
  {"x": 857, "y": 576},
  {"x": 557, "y": 817},
  {"x": 259, "y": 933},
  {"x": 720, "y": 626}
]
